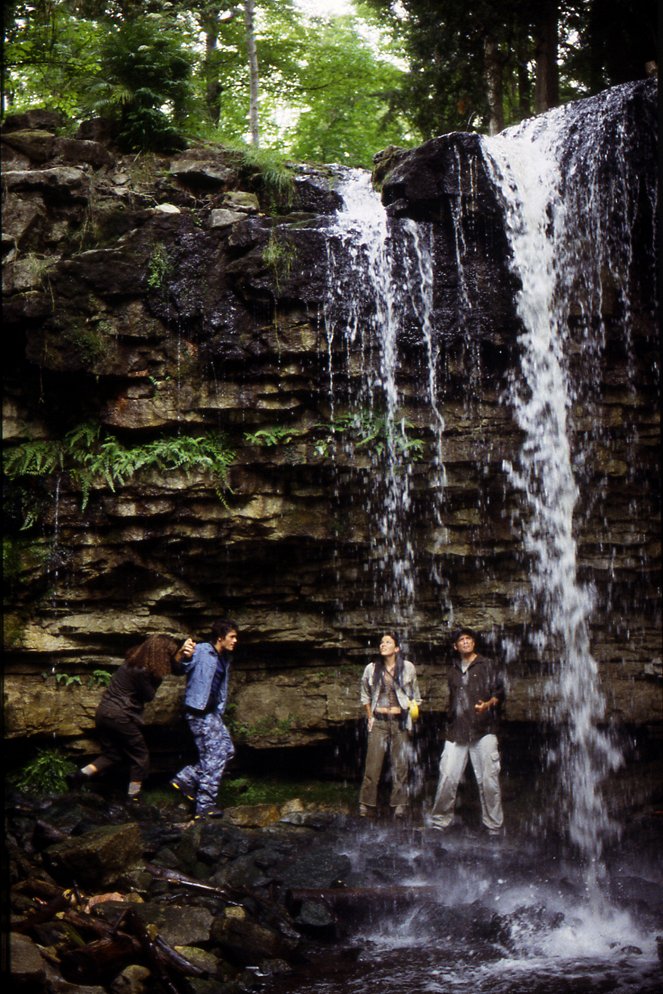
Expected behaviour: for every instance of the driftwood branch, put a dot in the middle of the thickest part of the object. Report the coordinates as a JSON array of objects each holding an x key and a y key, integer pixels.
[
  {"x": 362, "y": 898},
  {"x": 175, "y": 877},
  {"x": 114, "y": 946}
]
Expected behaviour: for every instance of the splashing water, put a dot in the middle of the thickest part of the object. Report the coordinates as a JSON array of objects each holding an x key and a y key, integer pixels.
[{"x": 559, "y": 227}]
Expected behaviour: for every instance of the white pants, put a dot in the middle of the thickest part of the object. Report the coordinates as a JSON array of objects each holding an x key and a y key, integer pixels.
[{"x": 485, "y": 759}]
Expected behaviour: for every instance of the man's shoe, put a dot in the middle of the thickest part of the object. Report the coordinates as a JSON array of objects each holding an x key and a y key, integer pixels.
[
  {"x": 438, "y": 827},
  {"x": 181, "y": 790},
  {"x": 366, "y": 811},
  {"x": 400, "y": 811}
]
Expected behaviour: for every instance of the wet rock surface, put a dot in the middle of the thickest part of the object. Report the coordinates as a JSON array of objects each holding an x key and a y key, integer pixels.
[
  {"x": 176, "y": 297},
  {"x": 209, "y": 906}
]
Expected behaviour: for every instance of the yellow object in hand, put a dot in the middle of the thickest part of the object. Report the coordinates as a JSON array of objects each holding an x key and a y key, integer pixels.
[{"x": 414, "y": 710}]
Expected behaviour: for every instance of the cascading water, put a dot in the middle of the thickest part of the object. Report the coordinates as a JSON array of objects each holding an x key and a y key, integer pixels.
[
  {"x": 520, "y": 918},
  {"x": 370, "y": 262},
  {"x": 560, "y": 225}
]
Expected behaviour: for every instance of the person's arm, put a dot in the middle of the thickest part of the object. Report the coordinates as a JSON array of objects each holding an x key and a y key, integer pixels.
[
  {"x": 183, "y": 656},
  {"x": 416, "y": 694},
  {"x": 497, "y": 695},
  {"x": 366, "y": 696},
  {"x": 482, "y": 706},
  {"x": 185, "y": 651}
]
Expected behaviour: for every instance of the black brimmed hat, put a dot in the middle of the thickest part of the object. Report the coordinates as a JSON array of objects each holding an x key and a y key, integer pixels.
[{"x": 464, "y": 631}]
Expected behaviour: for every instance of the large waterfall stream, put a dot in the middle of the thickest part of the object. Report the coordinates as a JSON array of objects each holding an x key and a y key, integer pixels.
[{"x": 529, "y": 916}]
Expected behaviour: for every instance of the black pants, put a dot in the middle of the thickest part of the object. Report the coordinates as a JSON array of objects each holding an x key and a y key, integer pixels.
[{"x": 121, "y": 738}]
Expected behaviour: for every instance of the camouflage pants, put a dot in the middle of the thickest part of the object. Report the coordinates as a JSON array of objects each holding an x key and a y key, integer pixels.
[{"x": 215, "y": 749}]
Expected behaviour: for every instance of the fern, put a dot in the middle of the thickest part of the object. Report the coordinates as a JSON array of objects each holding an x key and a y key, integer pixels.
[
  {"x": 272, "y": 436},
  {"x": 92, "y": 460},
  {"x": 33, "y": 459}
]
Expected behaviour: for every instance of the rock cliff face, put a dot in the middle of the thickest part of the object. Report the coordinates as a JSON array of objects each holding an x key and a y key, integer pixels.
[{"x": 169, "y": 429}]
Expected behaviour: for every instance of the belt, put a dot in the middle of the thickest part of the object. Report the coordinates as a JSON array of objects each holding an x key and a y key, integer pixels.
[{"x": 388, "y": 717}]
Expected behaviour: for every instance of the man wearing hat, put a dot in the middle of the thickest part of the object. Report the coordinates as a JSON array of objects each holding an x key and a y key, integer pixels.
[{"x": 476, "y": 693}]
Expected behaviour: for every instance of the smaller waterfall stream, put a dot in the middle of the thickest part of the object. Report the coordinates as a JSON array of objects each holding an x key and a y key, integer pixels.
[{"x": 370, "y": 262}]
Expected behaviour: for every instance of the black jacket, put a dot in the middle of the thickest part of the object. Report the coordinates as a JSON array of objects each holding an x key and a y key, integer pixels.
[
  {"x": 130, "y": 689},
  {"x": 481, "y": 682}
]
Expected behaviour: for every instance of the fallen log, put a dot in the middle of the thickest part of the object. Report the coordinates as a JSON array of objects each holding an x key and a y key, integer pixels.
[
  {"x": 160, "y": 956},
  {"x": 362, "y": 898},
  {"x": 128, "y": 941},
  {"x": 175, "y": 877},
  {"x": 100, "y": 960}
]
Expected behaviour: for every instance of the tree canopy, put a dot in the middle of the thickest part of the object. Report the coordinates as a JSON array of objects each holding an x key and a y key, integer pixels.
[{"x": 315, "y": 87}]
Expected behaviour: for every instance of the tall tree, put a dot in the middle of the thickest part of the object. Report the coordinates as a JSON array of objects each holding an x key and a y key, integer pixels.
[
  {"x": 546, "y": 35},
  {"x": 473, "y": 61},
  {"x": 254, "y": 79}
]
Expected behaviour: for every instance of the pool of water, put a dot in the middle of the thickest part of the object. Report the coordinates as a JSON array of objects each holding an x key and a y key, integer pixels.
[{"x": 459, "y": 915}]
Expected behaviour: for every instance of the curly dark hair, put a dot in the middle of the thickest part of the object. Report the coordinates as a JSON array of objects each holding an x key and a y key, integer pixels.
[{"x": 156, "y": 654}]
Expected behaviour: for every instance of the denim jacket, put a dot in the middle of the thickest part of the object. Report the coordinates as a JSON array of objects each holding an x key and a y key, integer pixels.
[{"x": 200, "y": 670}]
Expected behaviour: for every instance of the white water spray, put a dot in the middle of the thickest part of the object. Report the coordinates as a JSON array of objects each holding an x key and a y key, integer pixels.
[{"x": 561, "y": 251}]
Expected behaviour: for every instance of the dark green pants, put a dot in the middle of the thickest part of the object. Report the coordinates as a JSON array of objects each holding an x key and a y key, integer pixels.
[{"x": 386, "y": 737}]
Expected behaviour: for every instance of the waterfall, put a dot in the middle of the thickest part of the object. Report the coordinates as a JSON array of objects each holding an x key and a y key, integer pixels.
[
  {"x": 561, "y": 216},
  {"x": 371, "y": 261}
]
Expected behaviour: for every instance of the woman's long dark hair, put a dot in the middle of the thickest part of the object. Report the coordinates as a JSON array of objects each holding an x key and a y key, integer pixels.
[
  {"x": 378, "y": 672},
  {"x": 156, "y": 654}
]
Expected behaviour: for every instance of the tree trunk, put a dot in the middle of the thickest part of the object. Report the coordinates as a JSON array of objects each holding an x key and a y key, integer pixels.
[
  {"x": 249, "y": 11},
  {"x": 546, "y": 89},
  {"x": 213, "y": 86},
  {"x": 524, "y": 82},
  {"x": 493, "y": 73}
]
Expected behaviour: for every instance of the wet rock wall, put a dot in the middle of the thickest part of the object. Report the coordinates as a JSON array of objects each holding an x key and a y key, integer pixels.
[{"x": 164, "y": 323}]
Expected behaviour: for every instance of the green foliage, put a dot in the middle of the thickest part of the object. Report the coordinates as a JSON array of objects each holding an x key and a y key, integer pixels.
[
  {"x": 67, "y": 679},
  {"x": 270, "y": 790},
  {"x": 358, "y": 430},
  {"x": 365, "y": 429},
  {"x": 279, "y": 255},
  {"x": 91, "y": 458},
  {"x": 269, "y": 168},
  {"x": 325, "y": 90},
  {"x": 269, "y": 437},
  {"x": 158, "y": 267},
  {"x": 349, "y": 107},
  {"x": 334, "y": 89},
  {"x": 46, "y": 773},
  {"x": 90, "y": 344},
  {"x": 51, "y": 56},
  {"x": 270, "y": 726},
  {"x": 98, "y": 678},
  {"x": 145, "y": 67}
]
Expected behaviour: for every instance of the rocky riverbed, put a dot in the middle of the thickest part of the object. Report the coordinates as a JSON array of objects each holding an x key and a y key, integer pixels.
[{"x": 305, "y": 897}]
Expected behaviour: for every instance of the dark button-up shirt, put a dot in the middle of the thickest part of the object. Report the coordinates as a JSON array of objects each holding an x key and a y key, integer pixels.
[{"x": 481, "y": 682}]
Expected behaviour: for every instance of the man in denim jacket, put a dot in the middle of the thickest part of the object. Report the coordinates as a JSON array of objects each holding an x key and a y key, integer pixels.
[{"x": 205, "y": 699}]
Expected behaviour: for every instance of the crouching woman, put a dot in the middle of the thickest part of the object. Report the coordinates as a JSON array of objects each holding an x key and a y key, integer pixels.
[{"x": 119, "y": 716}]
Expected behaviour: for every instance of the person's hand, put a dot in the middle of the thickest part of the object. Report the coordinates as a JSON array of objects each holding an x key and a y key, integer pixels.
[
  {"x": 482, "y": 706},
  {"x": 370, "y": 722},
  {"x": 188, "y": 648}
]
